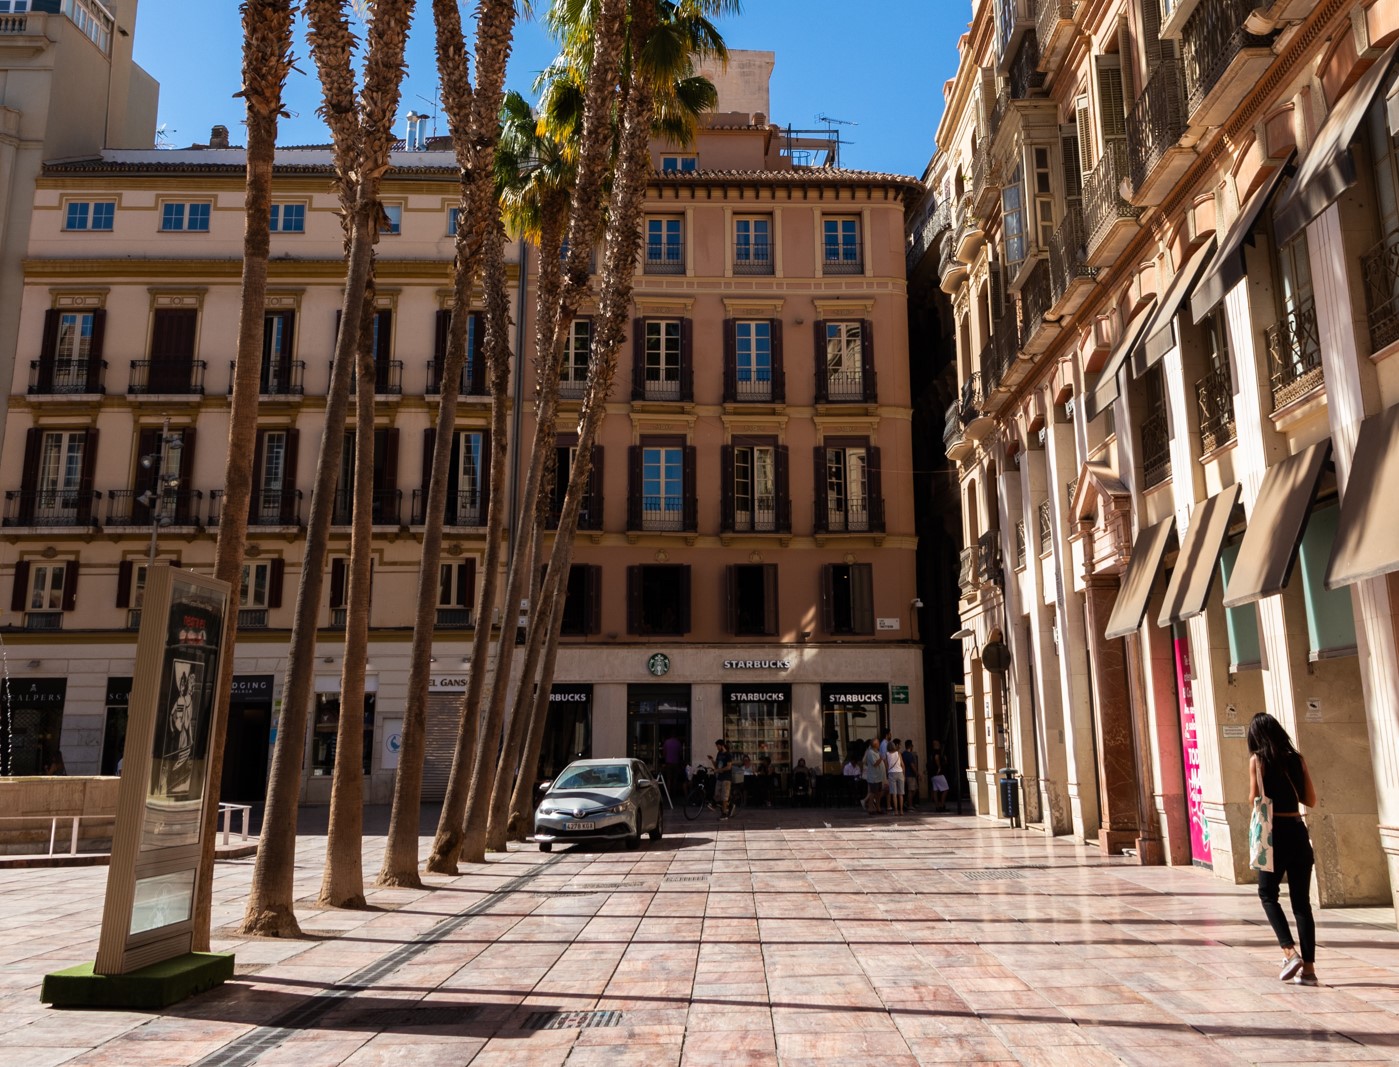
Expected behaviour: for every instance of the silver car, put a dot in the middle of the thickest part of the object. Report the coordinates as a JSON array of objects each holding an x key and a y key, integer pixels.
[{"x": 600, "y": 800}]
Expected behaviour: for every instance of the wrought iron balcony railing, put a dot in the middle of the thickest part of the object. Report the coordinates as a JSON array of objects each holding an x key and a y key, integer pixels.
[
  {"x": 464, "y": 508},
  {"x": 1025, "y": 75},
  {"x": 252, "y": 618},
  {"x": 973, "y": 396},
  {"x": 1048, "y": 15},
  {"x": 763, "y": 514},
  {"x": 969, "y": 566},
  {"x": 954, "y": 427},
  {"x": 922, "y": 234},
  {"x": 181, "y": 506},
  {"x": 388, "y": 377},
  {"x": 50, "y": 507},
  {"x": 1067, "y": 253},
  {"x": 281, "y": 377},
  {"x": 753, "y": 259},
  {"x": 846, "y": 385},
  {"x": 589, "y": 513},
  {"x": 268, "y": 507},
  {"x": 1036, "y": 298},
  {"x": 386, "y": 506},
  {"x": 1103, "y": 202},
  {"x": 1214, "y": 395},
  {"x": 986, "y": 173},
  {"x": 849, "y": 516},
  {"x": 64, "y": 377},
  {"x": 1211, "y": 38},
  {"x": 665, "y": 257},
  {"x": 167, "y": 377},
  {"x": 467, "y": 383},
  {"x": 454, "y": 618},
  {"x": 1156, "y": 448},
  {"x": 1157, "y": 119},
  {"x": 1380, "y": 268},
  {"x": 752, "y": 391},
  {"x": 998, "y": 111},
  {"x": 43, "y": 620},
  {"x": 843, "y": 262},
  {"x": 1294, "y": 354}
]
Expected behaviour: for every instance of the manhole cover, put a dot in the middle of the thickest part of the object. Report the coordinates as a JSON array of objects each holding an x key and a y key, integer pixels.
[
  {"x": 572, "y": 1020},
  {"x": 407, "y": 1018},
  {"x": 1003, "y": 875}
]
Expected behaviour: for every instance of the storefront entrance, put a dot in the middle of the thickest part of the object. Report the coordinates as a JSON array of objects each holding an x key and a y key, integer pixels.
[
  {"x": 852, "y": 715},
  {"x": 247, "y": 739},
  {"x": 655, "y": 713},
  {"x": 568, "y": 730},
  {"x": 114, "y": 728},
  {"x": 31, "y": 719}
]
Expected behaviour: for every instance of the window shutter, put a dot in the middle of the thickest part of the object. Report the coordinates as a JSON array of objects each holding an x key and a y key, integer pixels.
[
  {"x": 1111, "y": 110},
  {"x": 691, "y": 496},
  {"x": 634, "y": 489},
  {"x": 874, "y": 489},
  {"x": 638, "y": 359},
  {"x": 21, "y": 590},
  {"x": 861, "y": 598},
  {"x": 633, "y": 600},
  {"x": 687, "y": 361},
  {"x": 731, "y": 598},
  {"x": 258, "y": 473},
  {"x": 867, "y": 361},
  {"x": 1073, "y": 166},
  {"x": 70, "y": 585},
  {"x": 726, "y": 488},
  {"x": 337, "y": 582},
  {"x": 828, "y": 621},
  {"x": 592, "y": 586},
  {"x": 783, "y": 489},
  {"x": 477, "y": 356},
  {"x": 172, "y": 333},
  {"x": 289, "y": 479},
  {"x": 288, "y": 335},
  {"x": 595, "y": 490},
  {"x": 276, "y": 573},
  {"x": 822, "y": 389},
  {"x": 819, "y": 481},
  {"x": 483, "y": 476},
  {"x": 99, "y": 338},
  {"x": 184, "y": 497},
  {"x": 998, "y": 291},
  {"x": 466, "y": 575},
  {"x": 33, "y": 447},
  {"x": 1084, "y": 120},
  {"x": 429, "y": 444},
  {"x": 779, "y": 370},
  {"x": 388, "y": 468},
  {"x": 685, "y": 598},
  {"x": 48, "y": 350},
  {"x": 730, "y": 361},
  {"x": 124, "y": 569},
  {"x": 770, "y": 598},
  {"x": 85, "y": 479},
  {"x": 442, "y": 325},
  {"x": 383, "y": 347}
]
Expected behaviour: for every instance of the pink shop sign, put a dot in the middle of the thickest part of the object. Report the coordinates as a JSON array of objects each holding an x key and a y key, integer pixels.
[{"x": 1190, "y": 753}]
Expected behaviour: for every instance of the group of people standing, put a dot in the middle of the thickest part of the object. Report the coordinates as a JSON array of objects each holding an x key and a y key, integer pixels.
[{"x": 891, "y": 774}]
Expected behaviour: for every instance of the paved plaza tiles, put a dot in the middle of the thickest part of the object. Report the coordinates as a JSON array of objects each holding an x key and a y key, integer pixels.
[{"x": 785, "y": 937}]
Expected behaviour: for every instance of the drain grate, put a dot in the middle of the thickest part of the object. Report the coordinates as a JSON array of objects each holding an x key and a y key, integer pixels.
[
  {"x": 687, "y": 878},
  {"x": 408, "y": 1018},
  {"x": 998, "y": 875},
  {"x": 572, "y": 1020}
]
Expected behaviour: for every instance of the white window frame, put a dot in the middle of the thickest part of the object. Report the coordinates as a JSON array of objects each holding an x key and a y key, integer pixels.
[
  {"x": 753, "y": 359},
  {"x": 47, "y": 581},
  {"x": 679, "y": 163},
  {"x": 665, "y": 241},
  {"x": 277, "y": 221},
  {"x": 394, "y": 211},
  {"x": 183, "y": 223},
  {"x": 842, "y": 235},
  {"x": 755, "y": 487},
  {"x": 663, "y": 461},
  {"x": 270, "y": 489},
  {"x": 89, "y": 213},
  {"x": 255, "y": 585},
  {"x": 663, "y": 354},
  {"x": 847, "y": 487},
  {"x": 577, "y": 351},
  {"x": 447, "y": 576},
  {"x": 746, "y": 245},
  {"x": 845, "y": 363}
]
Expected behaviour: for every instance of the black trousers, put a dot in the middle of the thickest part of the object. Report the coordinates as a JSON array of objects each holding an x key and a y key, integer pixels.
[{"x": 1292, "y": 856}]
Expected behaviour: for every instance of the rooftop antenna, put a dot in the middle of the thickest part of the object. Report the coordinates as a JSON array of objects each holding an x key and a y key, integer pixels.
[
  {"x": 433, "y": 103},
  {"x": 836, "y": 138},
  {"x": 161, "y": 138}
]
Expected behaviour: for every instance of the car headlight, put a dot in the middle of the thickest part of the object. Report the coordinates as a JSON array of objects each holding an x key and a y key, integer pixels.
[{"x": 617, "y": 809}]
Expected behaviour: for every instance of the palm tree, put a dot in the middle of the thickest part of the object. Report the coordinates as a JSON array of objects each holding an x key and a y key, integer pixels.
[
  {"x": 472, "y": 120},
  {"x": 267, "y": 34},
  {"x": 361, "y": 134}
]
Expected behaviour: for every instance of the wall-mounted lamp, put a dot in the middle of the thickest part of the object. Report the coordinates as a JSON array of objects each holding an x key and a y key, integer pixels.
[
  {"x": 963, "y": 634},
  {"x": 916, "y": 602}
]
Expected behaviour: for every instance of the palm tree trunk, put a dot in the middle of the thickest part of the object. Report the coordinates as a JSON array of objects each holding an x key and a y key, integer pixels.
[
  {"x": 342, "y": 883},
  {"x": 267, "y": 32},
  {"x": 517, "y": 826}
]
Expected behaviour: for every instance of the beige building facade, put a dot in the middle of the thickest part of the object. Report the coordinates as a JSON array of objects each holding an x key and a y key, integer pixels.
[
  {"x": 745, "y": 563},
  {"x": 1166, "y": 235}
]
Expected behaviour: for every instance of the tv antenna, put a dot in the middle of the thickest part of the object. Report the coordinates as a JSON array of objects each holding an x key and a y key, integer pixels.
[
  {"x": 836, "y": 139},
  {"x": 161, "y": 138},
  {"x": 433, "y": 103}
]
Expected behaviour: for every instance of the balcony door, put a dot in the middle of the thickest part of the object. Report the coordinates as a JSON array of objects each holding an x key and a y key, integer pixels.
[
  {"x": 61, "y": 474},
  {"x": 172, "y": 350},
  {"x": 278, "y": 333}
]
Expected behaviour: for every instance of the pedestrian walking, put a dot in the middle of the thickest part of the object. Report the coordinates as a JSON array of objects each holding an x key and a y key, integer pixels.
[
  {"x": 912, "y": 783},
  {"x": 937, "y": 777},
  {"x": 722, "y": 762},
  {"x": 876, "y": 775},
  {"x": 1278, "y": 772},
  {"x": 894, "y": 764},
  {"x": 854, "y": 777}
]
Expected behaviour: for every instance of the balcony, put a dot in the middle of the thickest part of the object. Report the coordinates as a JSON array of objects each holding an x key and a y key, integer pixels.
[
  {"x": 43, "y": 620},
  {"x": 1025, "y": 76},
  {"x": 1223, "y": 62},
  {"x": 952, "y": 272},
  {"x": 1380, "y": 269},
  {"x": 252, "y": 618},
  {"x": 50, "y": 507},
  {"x": 753, "y": 259},
  {"x": 280, "y": 378},
  {"x": 386, "y": 506},
  {"x": 67, "y": 377},
  {"x": 842, "y": 261},
  {"x": 181, "y": 506},
  {"x": 1155, "y": 126},
  {"x": 973, "y": 398},
  {"x": 1036, "y": 298},
  {"x": 454, "y": 618},
  {"x": 1109, "y": 219},
  {"x": 1156, "y": 448},
  {"x": 1054, "y": 30},
  {"x": 167, "y": 377},
  {"x": 270, "y": 507},
  {"x": 970, "y": 233},
  {"x": 849, "y": 516},
  {"x": 388, "y": 377},
  {"x": 751, "y": 390},
  {"x": 844, "y": 387},
  {"x": 1294, "y": 355},
  {"x": 589, "y": 512},
  {"x": 464, "y": 508},
  {"x": 954, "y": 433},
  {"x": 1215, "y": 399},
  {"x": 922, "y": 235},
  {"x": 1070, "y": 276},
  {"x": 664, "y": 257},
  {"x": 986, "y": 179},
  {"x": 466, "y": 386},
  {"x": 766, "y": 514},
  {"x": 1013, "y": 19},
  {"x": 998, "y": 357},
  {"x": 968, "y": 580}
]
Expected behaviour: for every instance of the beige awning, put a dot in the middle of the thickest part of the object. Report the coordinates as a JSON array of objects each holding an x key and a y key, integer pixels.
[
  {"x": 1367, "y": 537},
  {"x": 1127, "y": 613},
  {"x": 1227, "y": 267},
  {"x": 1160, "y": 331},
  {"x": 1189, "y": 589},
  {"x": 1104, "y": 391},
  {"x": 1275, "y": 526},
  {"x": 1328, "y": 169}
]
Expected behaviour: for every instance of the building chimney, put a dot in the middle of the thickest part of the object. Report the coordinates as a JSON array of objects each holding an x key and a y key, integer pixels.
[
  {"x": 218, "y": 137},
  {"x": 417, "y": 127}
]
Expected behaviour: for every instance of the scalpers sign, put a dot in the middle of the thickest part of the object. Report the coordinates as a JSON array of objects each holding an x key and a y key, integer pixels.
[{"x": 757, "y": 664}]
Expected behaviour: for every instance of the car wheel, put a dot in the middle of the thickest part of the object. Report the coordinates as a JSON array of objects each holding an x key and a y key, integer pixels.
[
  {"x": 659, "y": 828},
  {"x": 546, "y": 846},
  {"x": 634, "y": 838}
]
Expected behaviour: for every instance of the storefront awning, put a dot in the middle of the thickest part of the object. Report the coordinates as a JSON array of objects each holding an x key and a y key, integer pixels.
[
  {"x": 1328, "y": 169},
  {"x": 1275, "y": 527},
  {"x": 1141, "y": 575},
  {"x": 1189, "y": 589},
  {"x": 1227, "y": 267},
  {"x": 1367, "y": 539},
  {"x": 1160, "y": 331},
  {"x": 1104, "y": 392}
]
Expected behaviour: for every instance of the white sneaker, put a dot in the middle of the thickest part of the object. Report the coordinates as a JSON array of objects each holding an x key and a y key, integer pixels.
[{"x": 1290, "y": 966}]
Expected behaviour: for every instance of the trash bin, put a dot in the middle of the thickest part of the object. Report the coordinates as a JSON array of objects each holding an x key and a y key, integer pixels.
[{"x": 1010, "y": 795}]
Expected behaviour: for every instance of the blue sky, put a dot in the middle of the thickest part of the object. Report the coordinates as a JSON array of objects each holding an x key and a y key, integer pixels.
[{"x": 837, "y": 58}]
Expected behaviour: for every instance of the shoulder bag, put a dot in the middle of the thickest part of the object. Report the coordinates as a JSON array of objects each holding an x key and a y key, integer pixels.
[{"x": 1260, "y": 827}]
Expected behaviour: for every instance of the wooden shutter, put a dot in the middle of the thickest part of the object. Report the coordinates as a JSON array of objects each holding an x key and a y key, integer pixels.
[
  {"x": 258, "y": 474},
  {"x": 443, "y": 321},
  {"x": 21, "y": 590},
  {"x": 383, "y": 350},
  {"x": 477, "y": 356},
  {"x": 874, "y": 489},
  {"x": 275, "y": 576},
  {"x": 48, "y": 350},
  {"x": 99, "y": 339},
  {"x": 1083, "y": 119},
  {"x": 634, "y": 483},
  {"x": 386, "y": 463},
  {"x": 429, "y": 443},
  {"x": 688, "y": 469},
  {"x": 70, "y": 585},
  {"x": 638, "y": 359},
  {"x": 33, "y": 449},
  {"x": 466, "y": 577},
  {"x": 687, "y": 360},
  {"x": 730, "y": 361},
  {"x": 85, "y": 479},
  {"x": 1072, "y": 166},
  {"x": 595, "y": 490},
  {"x": 289, "y": 479},
  {"x": 731, "y": 598},
  {"x": 819, "y": 482},
  {"x": 822, "y": 386},
  {"x": 172, "y": 333},
  {"x": 782, "y": 487},
  {"x": 779, "y": 370},
  {"x": 867, "y": 361},
  {"x": 828, "y": 621},
  {"x": 184, "y": 496},
  {"x": 862, "y": 598},
  {"x": 634, "y": 619},
  {"x": 337, "y": 582},
  {"x": 124, "y": 569},
  {"x": 483, "y": 476},
  {"x": 685, "y": 598},
  {"x": 592, "y": 589},
  {"x": 726, "y": 488},
  {"x": 1111, "y": 109},
  {"x": 769, "y": 598}
]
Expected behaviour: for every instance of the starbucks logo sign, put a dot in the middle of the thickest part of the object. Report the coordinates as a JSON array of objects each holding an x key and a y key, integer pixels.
[{"x": 658, "y": 664}]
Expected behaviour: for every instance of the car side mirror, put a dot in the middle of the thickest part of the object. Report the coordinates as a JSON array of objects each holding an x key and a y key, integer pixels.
[
  {"x": 644, "y": 783},
  {"x": 543, "y": 787}
]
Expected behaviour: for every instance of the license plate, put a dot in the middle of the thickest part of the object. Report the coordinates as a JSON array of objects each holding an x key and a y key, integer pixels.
[{"x": 578, "y": 826}]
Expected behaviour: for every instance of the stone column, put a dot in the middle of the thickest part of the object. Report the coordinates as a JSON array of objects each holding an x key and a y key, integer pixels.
[{"x": 1112, "y": 702}]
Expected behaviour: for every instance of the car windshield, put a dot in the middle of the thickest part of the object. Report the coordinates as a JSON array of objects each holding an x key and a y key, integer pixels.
[{"x": 607, "y": 776}]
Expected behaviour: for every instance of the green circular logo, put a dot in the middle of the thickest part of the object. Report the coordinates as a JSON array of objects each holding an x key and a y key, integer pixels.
[{"x": 658, "y": 664}]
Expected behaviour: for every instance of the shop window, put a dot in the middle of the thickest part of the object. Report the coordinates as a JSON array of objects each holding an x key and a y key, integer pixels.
[
  {"x": 758, "y": 724},
  {"x": 1245, "y": 649},
  {"x": 1330, "y": 619},
  {"x": 752, "y": 598},
  {"x": 327, "y": 725},
  {"x": 848, "y": 598},
  {"x": 31, "y": 721},
  {"x": 658, "y": 599}
]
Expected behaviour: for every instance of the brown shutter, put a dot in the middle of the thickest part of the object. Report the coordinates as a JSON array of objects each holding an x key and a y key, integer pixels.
[
  {"x": 633, "y": 600},
  {"x": 770, "y": 598},
  {"x": 595, "y": 490},
  {"x": 731, "y": 598},
  {"x": 184, "y": 496},
  {"x": 484, "y": 475},
  {"x": 685, "y": 598},
  {"x": 828, "y": 621},
  {"x": 867, "y": 361},
  {"x": 819, "y": 483},
  {"x": 429, "y": 443},
  {"x": 730, "y": 361},
  {"x": 172, "y": 333},
  {"x": 638, "y": 359},
  {"x": 726, "y": 488},
  {"x": 783, "y": 489},
  {"x": 337, "y": 582},
  {"x": 70, "y": 585},
  {"x": 289, "y": 479},
  {"x": 275, "y": 576},
  {"x": 388, "y": 465},
  {"x": 592, "y": 587},
  {"x": 443, "y": 321},
  {"x": 634, "y": 485},
  {"x": 21, "y": 590},
  {"x": 466, "y": 575},
  {"x": 779, "y": 369},
  {"x": 48, "y": 350},
  {"x": 85, "y": 479},
  {"x": 124, "y": 569},
  {"x": 687, "y": 361},
  {"x": 862, "y": 598},
  {"x": 94, "y": 363},
  {"x": 29, "y": 475},
  {"x": 874, "y": 489},
  {"x": 822, "y": 386},
  {"x": 258, "y": 472},
  {"x": 688, "y": 469},
  {"x": 383, "y": 350}
]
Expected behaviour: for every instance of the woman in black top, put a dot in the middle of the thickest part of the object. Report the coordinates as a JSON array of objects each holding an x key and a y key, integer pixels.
[{"x": 1287, "y": 783}]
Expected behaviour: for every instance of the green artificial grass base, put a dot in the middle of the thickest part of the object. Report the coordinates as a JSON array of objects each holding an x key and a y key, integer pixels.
[{"x": 157, "y": 986}]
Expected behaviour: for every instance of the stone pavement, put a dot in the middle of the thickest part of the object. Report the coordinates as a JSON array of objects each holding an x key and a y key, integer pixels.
[{"x": 785, "y": 937}]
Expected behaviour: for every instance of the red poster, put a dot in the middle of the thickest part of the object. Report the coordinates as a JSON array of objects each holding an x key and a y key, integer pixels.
[{"x": 1190, "y": 753}]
